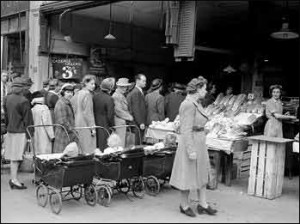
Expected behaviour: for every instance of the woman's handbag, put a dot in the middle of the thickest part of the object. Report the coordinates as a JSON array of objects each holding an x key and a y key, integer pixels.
[{"x": 27, "y": 165}]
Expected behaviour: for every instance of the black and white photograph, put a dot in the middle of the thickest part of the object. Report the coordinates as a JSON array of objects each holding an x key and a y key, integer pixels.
[{"x": 150, "y": 111}]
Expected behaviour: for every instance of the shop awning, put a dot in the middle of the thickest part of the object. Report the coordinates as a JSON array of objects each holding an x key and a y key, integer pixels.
[{"x": 59, "y": 6}]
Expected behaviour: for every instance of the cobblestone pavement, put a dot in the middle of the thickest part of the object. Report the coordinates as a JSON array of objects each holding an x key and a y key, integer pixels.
[{"x": 233, "y": 205}]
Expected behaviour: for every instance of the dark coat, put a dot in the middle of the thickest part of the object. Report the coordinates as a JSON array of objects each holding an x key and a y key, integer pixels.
[
  {"x": 63, "y": 115},
  {"x": 104, "y": 112},
  {"x": 155, "y": 107},
  {"x": 18, "y": 114},
  {"x": 172, "y": 104},
  {"x": 137, "y": 106}
]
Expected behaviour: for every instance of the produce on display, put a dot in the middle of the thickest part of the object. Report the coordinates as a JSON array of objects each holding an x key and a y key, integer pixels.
[
  {"x": 229, "y": 116},
  {"x": 165, "y": 125}
]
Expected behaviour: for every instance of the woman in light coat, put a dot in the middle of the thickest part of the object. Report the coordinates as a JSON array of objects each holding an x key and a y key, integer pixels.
[
  {"x": 191, "y": 164},
  {"x": 122, "y": 113},
  {"x": 82, "y": 103},
  {"x": 43, "y": 136}
]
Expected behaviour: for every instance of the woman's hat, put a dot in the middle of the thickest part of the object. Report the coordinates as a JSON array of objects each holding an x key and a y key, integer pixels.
[
  {"x": 37, "y": 94},
  {"x": 178, "y": 86},
  {"x": 18, "y": 82},
  {"x": 156, "y": 83},
  {"x": 28, "y": 81},
  {"x": 123, "y": 82},
  {"x": 37, "y": 97},
  {"x": 67, "y": 86},
  {"x": 107, "y": 84},
  {"x": 193, "y": 85},
  {"x": 46, "y": 83}
]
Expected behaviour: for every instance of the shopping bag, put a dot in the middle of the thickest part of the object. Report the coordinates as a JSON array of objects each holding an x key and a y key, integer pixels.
[{"x": 27, "y": 165}]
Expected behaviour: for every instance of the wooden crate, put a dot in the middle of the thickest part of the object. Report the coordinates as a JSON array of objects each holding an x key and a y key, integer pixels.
[
  {"x": 267, "y": 166},
  {"x": 241, "y": 160}
]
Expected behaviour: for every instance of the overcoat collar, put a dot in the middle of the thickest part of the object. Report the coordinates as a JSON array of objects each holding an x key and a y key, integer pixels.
[{"x": 197, "y": 105}]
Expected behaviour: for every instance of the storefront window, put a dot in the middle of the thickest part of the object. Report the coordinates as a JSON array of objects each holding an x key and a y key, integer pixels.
[{"x": 15, "y": 52}]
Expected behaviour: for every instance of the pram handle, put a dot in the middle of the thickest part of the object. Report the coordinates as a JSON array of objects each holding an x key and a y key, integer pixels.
[
  {"x": 43, "y": 125},
  {"x": 92, "y": 127},
  {"x": 128, "y": 125}
]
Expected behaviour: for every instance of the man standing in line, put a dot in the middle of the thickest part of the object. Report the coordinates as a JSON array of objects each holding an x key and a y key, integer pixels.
[{"x": 137, "y": 105}]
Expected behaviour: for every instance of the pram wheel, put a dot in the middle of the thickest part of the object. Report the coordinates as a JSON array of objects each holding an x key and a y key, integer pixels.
[
  {"x": 42, "y": 193},
  {"x": 152, "y": 185},
  {"x": 104, "y": 195},
  {"x": 76, "y": 192},
  {"x": 90, "y": 195},
  {"x": 138, "y": 187},
  {"x": 55, "y": 201},
  {"x": 123, "y": 186}
]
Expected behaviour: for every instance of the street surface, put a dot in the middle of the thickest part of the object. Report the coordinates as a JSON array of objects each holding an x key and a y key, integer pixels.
[{"x": 233, "y": 205}]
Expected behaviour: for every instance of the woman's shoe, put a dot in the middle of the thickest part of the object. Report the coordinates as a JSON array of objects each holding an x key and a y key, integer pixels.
[
  {"x": 188, "y": 211},
  {"x": 15, "y": 186},
  {"x": 209, "y": 210}
]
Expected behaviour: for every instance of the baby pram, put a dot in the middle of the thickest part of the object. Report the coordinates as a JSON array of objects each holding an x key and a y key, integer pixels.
[
  {"x": 121, "y": 171},
  {"x": 59, "y": 178},
  {"x": 158, "y": 166}
]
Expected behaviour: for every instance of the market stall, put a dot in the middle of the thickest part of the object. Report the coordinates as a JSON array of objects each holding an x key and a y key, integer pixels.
[{"x": 158, "y": 130}]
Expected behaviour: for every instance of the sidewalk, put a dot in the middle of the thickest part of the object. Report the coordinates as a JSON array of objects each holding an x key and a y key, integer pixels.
[{"x": 233, "y": 205}]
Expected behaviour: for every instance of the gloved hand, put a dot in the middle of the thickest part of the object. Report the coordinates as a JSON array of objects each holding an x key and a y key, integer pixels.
[{"x": 193, "y": 156}]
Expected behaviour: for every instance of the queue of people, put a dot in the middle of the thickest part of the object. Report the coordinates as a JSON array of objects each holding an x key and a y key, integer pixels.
[{"x": 90, "y": 107}]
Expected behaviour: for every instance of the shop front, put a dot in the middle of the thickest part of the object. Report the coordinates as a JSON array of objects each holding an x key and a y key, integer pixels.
[
  {"x": 78, "y": 34},
  {"x": 14, "y": 36}
]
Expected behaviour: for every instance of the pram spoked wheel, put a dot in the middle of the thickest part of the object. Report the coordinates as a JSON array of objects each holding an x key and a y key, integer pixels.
[
  {"x": 152, "y": 185},
  {"x": 104, "y": 195},
  {"x": 90, "y": 195},
  {"x": 138, "y": 187},
  {"x": 42, "y": 193},
  {"x": 55, "y": 201},
  {"x": 123, "y": 186},
  {"x": 76, "y": 192}
]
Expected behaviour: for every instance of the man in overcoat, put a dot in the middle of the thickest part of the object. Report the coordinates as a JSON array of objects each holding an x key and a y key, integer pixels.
[{"x": 137, "y": 105}]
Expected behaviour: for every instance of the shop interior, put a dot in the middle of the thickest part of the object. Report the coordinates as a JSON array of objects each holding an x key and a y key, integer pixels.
[{"x": 229, "y": 34}]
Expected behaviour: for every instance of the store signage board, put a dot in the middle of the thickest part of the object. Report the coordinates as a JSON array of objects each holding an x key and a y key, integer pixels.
[
  {"x": 96, "y": 61},
  {"x": 67, "y": 68},
  {"x": 13, "y": 7}
]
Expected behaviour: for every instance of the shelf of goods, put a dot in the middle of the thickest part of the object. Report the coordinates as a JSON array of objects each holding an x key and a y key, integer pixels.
[{"x": 229, "y": 119}]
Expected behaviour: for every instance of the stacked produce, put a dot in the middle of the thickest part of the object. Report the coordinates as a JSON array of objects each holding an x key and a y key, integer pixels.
[
  {"x": 164, "y": 125},
  {"x": 230, "y": 115}
]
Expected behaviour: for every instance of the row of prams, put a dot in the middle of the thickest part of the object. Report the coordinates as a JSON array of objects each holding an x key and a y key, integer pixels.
[{"x": 98, "y": 178}]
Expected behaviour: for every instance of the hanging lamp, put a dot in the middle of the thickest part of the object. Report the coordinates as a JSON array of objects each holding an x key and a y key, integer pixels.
[
  {"x": 109, "y": 36},
  {"x": 285, "y": 33}
]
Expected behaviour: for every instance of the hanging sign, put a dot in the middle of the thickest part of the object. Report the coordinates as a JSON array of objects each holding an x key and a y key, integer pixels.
[{"x": 67, "y": 68}]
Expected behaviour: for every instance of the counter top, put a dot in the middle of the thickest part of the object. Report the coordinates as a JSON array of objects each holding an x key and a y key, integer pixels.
[{"x": 270, "y": 139}]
